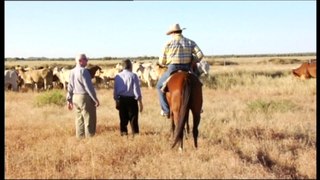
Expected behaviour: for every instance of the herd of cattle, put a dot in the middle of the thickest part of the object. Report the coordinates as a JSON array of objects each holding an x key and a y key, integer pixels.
[{"x": 45, "y": 78}]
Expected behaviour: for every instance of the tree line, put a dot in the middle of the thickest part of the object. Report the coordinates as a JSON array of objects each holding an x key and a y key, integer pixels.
[{"x": 156, "y": 57}]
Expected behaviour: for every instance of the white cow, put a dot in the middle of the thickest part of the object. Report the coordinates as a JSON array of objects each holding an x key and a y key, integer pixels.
[
  {"x": 203, "y": 68},
  {"x": 150, "y": 74},
  {"x": 137, "y": 68},
  {"x": 63, "y": 75},
  {"x": 108, "y": 75},
  {"x": 11, "y": 78},
  {"x": 146, "y": 76}
]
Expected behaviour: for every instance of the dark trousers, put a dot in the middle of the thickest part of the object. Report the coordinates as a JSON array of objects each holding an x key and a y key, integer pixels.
[{"x": 128, "y": 112}]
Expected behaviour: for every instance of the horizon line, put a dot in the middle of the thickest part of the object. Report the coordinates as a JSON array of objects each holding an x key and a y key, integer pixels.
[{"x": 145, "y": 56}]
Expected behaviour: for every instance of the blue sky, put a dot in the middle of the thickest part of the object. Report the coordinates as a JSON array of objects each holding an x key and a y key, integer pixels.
[{"x": 137, "y": 28}]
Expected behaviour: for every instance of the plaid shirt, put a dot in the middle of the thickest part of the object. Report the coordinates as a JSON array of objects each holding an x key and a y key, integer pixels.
[{"x": 179, "y": 50}]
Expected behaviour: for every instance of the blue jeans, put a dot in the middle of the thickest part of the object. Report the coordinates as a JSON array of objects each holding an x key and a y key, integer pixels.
[{"x": 163, "y": 100}]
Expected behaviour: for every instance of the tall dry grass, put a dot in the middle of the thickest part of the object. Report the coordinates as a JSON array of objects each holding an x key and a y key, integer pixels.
[{"x": 254, "y": 125}]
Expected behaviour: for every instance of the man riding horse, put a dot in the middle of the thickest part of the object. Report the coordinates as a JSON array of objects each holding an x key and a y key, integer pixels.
[{"x": 179, "y": 53}]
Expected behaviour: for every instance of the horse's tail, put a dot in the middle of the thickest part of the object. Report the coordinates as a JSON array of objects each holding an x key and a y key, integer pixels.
[{"x": 183, "y": 109}]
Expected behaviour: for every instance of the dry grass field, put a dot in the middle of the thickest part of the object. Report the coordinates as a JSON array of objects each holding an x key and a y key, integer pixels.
[{"x": 258, "y": 122}]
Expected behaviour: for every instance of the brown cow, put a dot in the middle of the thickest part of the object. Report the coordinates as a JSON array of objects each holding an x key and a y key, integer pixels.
[
  {"x": 306, "y": 70},
  {"x": 37, "y": 77}
]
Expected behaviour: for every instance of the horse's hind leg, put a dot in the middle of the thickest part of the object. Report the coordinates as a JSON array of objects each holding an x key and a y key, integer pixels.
[
  {"x": 187, "y": 129},
  {"x": 181, "y": 141},
  {"x": 172, "y": 128},
  {"x": 196, "y": 121}
]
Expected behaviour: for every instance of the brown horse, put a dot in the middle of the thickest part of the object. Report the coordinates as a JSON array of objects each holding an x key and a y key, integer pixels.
[
  {"x": 184, "y": 93},
  {"x": 93, "y": 70}
]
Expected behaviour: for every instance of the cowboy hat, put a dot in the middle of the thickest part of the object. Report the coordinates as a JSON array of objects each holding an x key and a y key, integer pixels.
[{"x": 174, "y": 27}]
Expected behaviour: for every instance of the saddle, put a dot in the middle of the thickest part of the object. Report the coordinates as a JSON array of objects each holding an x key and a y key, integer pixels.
[{"x": 164, "y": 88}]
